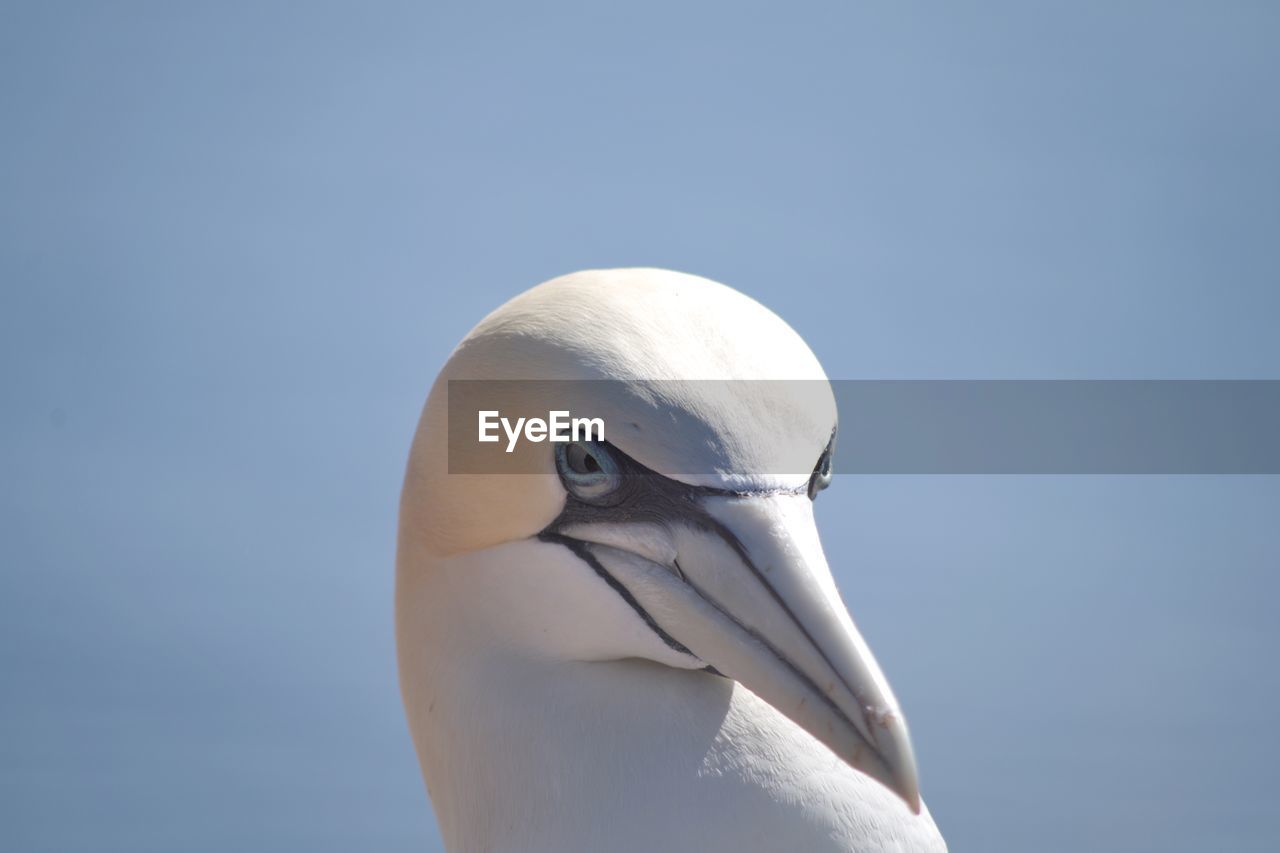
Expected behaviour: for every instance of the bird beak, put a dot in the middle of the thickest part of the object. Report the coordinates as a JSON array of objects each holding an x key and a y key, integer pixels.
[{"x": 749, "y": 593}]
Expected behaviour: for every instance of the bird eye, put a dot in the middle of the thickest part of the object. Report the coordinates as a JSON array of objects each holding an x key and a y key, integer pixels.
[
  {"x": 821, "y": 477},
  {"x": 587, "y": 469}
]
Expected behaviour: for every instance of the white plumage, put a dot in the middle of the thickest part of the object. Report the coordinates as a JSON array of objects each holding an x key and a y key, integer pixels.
[{"x": 590, "y": 665}]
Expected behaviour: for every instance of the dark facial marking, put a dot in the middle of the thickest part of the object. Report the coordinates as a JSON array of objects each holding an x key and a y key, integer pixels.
[
  {"x": 645, "y": 496},
  {"x": 583, "y": 552}
]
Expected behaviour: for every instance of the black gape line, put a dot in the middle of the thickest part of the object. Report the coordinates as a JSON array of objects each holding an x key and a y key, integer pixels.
[
  {"x": 582, "y": 552},
  {"x": 643, "y": 495}
]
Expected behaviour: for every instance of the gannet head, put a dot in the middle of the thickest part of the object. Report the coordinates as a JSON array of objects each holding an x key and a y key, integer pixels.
[{"x": 686, "y": 537}]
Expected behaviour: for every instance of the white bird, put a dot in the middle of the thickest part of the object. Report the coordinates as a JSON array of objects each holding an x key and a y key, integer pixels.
[{"x": 639, "y": 646}]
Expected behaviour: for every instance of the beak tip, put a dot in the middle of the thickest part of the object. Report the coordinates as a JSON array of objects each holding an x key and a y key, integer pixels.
[
  {"x": 897, "y": 777},
  {"x": 907, "y": 788},
  {"x": 897, "y": 763}
]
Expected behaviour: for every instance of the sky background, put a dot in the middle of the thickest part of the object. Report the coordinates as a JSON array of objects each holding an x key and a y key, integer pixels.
[{"x": 237, "y": 241}]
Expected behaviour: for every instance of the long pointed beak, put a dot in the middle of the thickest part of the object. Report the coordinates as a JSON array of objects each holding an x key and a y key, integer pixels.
[{"x": 751, "y": 595}]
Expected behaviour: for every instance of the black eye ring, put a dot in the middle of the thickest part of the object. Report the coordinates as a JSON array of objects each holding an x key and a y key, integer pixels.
[
  {"x": 588, "y": 469},
  {"x": 821, "y": 477}
]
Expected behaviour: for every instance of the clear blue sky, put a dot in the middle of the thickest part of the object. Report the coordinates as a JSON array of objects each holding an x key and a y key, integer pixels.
[{"x": 237, "y": 240}]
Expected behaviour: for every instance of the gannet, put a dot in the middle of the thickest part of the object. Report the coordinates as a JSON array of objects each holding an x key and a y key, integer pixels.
[{"x": 636, "y": 644}]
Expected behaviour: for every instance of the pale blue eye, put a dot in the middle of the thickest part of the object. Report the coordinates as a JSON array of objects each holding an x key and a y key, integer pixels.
[
  {"x": 587, "y": 469},
  {"x": 821, "y": 477}
]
